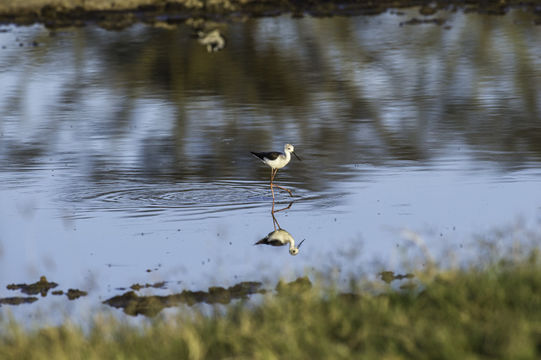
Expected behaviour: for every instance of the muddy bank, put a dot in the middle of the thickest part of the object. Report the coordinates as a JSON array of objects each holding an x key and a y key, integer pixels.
[
  {"x": 134, "y": 304},
  {"x": 118, "y": 14},
  {"x": 42, "y": 287}
]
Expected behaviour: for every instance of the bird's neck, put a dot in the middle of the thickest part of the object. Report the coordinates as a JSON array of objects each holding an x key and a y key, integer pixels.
[
  {"x": 291, "y": 244},
  {"x": 288, "y": 155}
]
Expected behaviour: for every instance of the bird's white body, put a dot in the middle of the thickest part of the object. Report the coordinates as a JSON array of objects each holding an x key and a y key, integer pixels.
[
  {"x": 281, "y": 161},
  {"x": 277, "y": 160},
  {"x": 213, "y": 40}
]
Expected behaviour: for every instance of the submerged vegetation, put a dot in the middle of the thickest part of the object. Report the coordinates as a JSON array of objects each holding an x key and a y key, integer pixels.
[{"x": 489, "y": 311}]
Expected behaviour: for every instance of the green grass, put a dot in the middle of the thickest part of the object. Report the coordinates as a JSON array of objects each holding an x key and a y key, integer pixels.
[{"x": 489, "y": 312}]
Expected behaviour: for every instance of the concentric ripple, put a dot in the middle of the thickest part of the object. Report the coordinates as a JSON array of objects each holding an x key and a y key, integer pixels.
[{"x": 193, "y": 200}]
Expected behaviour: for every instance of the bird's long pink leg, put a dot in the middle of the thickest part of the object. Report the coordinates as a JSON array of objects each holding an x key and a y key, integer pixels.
[
  {"x": 274, "y": 221},
  {"x": 271, "y": 184},
  {"x": 283, "y": 209},
  {"x": 283, "y": 188},
  {"x": 278, "y": 186}
]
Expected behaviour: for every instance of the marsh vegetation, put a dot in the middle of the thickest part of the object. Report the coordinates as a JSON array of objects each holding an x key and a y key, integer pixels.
[{"x": 490, "y": 310}]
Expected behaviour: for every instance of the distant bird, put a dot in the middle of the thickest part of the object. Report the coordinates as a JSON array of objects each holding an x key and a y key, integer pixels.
[
  {"x": 280, "y": 237},
  {"x": 277, "y": 160},
  {"x": 213, "y": 40}
]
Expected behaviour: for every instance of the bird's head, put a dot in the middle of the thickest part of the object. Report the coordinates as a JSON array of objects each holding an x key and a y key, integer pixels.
[
  {"x": 290, "y": 148},
  {"x": 295, "y": 250}
]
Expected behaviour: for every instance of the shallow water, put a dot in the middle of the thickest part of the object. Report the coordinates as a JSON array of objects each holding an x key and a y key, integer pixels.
[{"x": 124, "y": 156}]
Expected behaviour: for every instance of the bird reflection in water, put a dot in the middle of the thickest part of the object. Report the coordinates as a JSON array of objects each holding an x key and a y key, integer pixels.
[{"x": 280, "y": 237}]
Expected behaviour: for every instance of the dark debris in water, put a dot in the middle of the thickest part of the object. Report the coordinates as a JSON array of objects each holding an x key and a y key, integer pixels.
[
  {"x": 158, "y": 285},
  {"x": 134, "y": 304},
  {"x": 428, "y": 10},
  {"x": 40, "y": 287},
  {"x": 18, "y": 300},
  {"x": 389, "y": 276},
  {"x": 415, "y": 21},
  {"x": 73, "y": 294}
]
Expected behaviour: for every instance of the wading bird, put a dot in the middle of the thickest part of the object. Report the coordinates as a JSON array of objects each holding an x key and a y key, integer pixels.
[
  {"x": 213, "y": 40},
  {"x": 277, "y": 160}
]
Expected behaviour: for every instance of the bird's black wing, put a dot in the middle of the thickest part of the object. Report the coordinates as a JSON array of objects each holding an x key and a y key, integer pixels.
[
  {"x": 262, "y": 241},
  {"x": 266, "y": 241},
  {"x": 273, "y": 155}
]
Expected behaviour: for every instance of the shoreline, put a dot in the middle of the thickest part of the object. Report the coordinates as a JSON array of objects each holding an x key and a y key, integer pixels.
[{"x": 119, "y": 14}]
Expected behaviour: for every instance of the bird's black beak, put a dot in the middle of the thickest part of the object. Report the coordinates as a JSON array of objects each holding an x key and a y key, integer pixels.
[
  {"x": 297, "y": 156},
  {"x": 298, "y": 246}
]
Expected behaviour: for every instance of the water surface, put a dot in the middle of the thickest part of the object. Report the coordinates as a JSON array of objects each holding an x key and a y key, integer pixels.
[{"x": 124, "y": 156}]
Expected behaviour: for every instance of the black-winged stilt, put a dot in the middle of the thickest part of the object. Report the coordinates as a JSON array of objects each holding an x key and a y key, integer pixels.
[{"x": 277, "y": 160}]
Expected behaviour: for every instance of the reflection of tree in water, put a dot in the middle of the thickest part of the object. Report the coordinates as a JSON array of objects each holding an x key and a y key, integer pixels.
[{"x": 335, "y": 88}]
